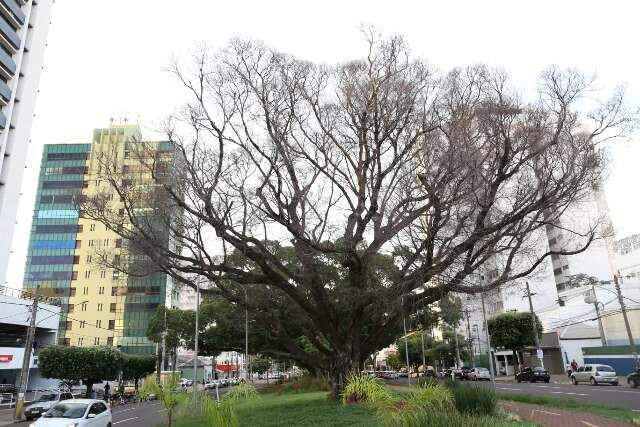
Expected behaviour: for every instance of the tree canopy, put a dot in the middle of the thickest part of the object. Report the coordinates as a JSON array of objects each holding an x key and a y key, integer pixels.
[
  {"x": 331, "y": 199},
  {"x": 87, "y": 364},
  {"x": 513, "y": 330}
]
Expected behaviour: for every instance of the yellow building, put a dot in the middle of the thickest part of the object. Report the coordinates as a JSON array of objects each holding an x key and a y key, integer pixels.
[{"x": 67, "y": 253}]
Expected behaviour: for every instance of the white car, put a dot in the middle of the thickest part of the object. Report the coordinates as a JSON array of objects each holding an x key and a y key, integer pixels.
[
  {"x": 44, "y": 402},
  {"x": 77, "y": 413},
  {"x": 478, "y": 374},
  {"x": 595, "y": 374}
]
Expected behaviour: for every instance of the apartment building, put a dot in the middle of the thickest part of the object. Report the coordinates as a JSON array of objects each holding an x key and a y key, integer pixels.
[
  {"x": 24, "y": 25},
  {"x": 102, "y": 306}
]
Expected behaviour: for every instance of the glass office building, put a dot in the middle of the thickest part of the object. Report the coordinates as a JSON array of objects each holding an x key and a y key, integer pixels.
[{"x": 101, "y": 306}]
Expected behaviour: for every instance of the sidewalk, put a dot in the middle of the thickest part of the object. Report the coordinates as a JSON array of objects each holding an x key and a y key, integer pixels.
[{"x": 554, "y": 417}]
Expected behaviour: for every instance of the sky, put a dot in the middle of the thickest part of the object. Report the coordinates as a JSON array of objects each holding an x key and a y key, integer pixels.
[{"x": 107, "y": 58}]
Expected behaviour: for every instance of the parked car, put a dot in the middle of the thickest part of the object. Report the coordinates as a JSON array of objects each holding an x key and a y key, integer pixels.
[
  {"x": 595, "y": 374},
  {"x": 533, "y": 375},
  {"x": 43, "y": 402},
  {"x": 478, "y": 374},
  {"x": 462, "y": 373},
  {"x": 78, "y": 413},
  {"x": 390, "y": 375},
  {"x": 633, "y": 379}
]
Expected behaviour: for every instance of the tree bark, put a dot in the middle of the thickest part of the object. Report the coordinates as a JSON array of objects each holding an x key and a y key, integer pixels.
[
  {"x": 340, "y": 370},
  {"x": 89, "y": 384}
]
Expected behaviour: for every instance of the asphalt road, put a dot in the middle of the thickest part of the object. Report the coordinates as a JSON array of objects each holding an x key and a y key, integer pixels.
[{"x": 621, "y": 396}]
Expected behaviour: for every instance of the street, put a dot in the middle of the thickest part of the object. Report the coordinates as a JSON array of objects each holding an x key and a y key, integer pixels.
[{"x": 620, "y": 396}]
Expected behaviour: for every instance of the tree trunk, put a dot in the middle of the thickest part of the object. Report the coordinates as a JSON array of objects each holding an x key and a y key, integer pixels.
[
  {"x": 89, "y": 384},
  {"x": 158, "y": 364},
  {"x": 340, "y": 370},
  {"x": 170, "y": 417}
]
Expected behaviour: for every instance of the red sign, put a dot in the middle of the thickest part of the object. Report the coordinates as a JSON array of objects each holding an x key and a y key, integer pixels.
[
  {"x": 227, "y": 367},
  {"x": 6, "y": 358}
]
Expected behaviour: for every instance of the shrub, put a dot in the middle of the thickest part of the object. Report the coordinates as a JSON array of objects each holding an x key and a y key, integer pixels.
[
  {"x": 362, "y": 388},
  {"x": 436, "y": 398},
  {"x": 242, "y": 391},
  {"x": 474, "y": 400},
  {"x": 427, "y": 381}
]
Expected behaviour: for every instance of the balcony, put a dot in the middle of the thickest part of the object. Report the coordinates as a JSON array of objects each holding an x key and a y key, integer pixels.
[
  {"x": 8, "y": 36},
  {"x": 7, "y": 66},
  {"x": 3, "y": 121},
  {"x": 12, "y": 12},
  {"x": 5, "y": 93}
]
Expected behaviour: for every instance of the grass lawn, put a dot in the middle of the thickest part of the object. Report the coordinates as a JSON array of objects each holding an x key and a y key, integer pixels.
[
  {"x": 571, "y": 404},
  {"x": 303, "y": 409}
]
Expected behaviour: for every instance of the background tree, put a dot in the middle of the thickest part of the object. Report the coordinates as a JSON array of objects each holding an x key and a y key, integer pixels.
[
  {"x": 260, "y": 364},
  {"x": 87, "y": 364},
  {"x": 381, "y": 173},
  {"x": 394, "y": 361},
  {"x": 513, "y": 331},
  {"x": 136, "y": 367}
]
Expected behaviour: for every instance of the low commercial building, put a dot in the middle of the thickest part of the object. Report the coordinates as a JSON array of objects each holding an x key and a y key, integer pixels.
[{"x": 15, "y": 317}]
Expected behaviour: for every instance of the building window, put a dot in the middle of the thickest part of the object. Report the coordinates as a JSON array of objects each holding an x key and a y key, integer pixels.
[
  {"x": 98, "y": 323},
  {"x": 70, "y": 308},
  {"x": 72, "y": 292},
  {"x": 88, "y": 259},
  {"x": 116, "y": 274},
  {"x": 78, "y": 244},
  {"x": 74, "y": 275},
  {"x": 103, "y": 274},
  {"x": 90, "y": 243},
  {"x": 99, "y": 307},
  {"x": 112, "y": 324},
  {"x": 101, "y": 290},
  {"x": 96, "y": 341},
  {"x": 84, "y": 306},
  {"x": 557, "y": 271},
  {"x": 112, "y": 307},
  {"x": 92, "y": 227},
  {"x": 68, "y": 325},
  {"x": 66, "y": 342},
  {"x": 85, "y": 290},
  {"x": 80, "y": 340},
  {"x": 118, "y": 243},
  {"x": 105, "y": 242},
  {"x": 82, "y": 324},
  {"x": 109, "y": 341},
  {"x": 114, "y": 291}
]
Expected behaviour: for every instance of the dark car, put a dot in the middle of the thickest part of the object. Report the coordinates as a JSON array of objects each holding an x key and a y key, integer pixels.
[
  {"x": 633, "y": 379},
  {"x": 533, "y": 375},
  {"x": 463, "y": 373}
]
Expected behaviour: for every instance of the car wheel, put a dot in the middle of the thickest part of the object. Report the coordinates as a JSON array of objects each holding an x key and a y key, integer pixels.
[
  {"x": 615, "y": 384},
  {"x": 574, "y": 381},
  {"x": 518, "y": 379},
  {"x": 593, "y": 381},
  {"x": 546, "y": 381},
  {"x": 634, "y": 383},
  {"x": 108, "y": 424}
]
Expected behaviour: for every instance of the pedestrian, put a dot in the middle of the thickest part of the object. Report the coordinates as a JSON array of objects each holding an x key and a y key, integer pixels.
[
  {"x": 574, "y": 365},
  {"x": 107, "y": 388}
]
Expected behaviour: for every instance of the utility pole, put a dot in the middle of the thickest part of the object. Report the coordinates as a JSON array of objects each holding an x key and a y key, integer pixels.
[
  {"x": 486, "y": 329},
  {"x": 424, "y": 360},
  {"x": 634, "y": 351},
  {"x": 535, "y": 328},
  {"x": 26, "y": 361},
  {"x": 470, "y": 340},
  {"x": 247, "y": 374},
  {"x": 595, "y": 304},
  {"x": 195, "y": 346},
  {"x": 406, "y": 346},
  {"x": 455, "y": 334}
]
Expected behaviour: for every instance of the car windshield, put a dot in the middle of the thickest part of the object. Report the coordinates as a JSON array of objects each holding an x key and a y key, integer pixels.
[
  {"x": 483, "y": 370},
  {"x": 538, "y": 369},
  {"x": 49, "y": 397},
  {"x": 67, "y": 410},
  {"x": 605, "y": 369}
]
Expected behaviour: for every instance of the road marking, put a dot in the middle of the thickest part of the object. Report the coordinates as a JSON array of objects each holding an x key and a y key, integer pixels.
[
  {"x": 124, "y": 410},
  {"x": 125, "y": 420},
  {"x": 508, "y": 388},
  {"x": 587, "y": 423},
  {"x": 543, "y": 412}
]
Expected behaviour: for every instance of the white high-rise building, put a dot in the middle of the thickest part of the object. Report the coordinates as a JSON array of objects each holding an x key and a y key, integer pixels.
[{"x": 23, "y": 33}]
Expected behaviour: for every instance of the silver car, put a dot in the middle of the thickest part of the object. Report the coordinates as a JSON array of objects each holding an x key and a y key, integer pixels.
[
  {"x": 44, "y": 402},
  {"x": 595, "y": 374}
]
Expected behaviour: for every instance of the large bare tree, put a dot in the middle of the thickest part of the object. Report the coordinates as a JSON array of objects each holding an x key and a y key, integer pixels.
[{"x": 331, "y": 199}]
